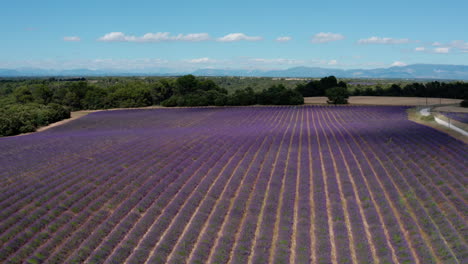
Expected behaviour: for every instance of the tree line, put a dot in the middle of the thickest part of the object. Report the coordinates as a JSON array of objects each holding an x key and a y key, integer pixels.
[
  {"x": 26, "y": 105},
  {"x": 338, "y": 92}
]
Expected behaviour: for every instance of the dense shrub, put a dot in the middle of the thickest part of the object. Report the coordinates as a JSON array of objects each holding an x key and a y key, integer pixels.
[
  {"x": 279, "y": 95},
  {"x": 23, "y": 118},
  {"x": 337, "y": 95}
]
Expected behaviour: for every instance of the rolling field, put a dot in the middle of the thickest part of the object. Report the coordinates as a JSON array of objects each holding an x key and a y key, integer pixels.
[{"x": 311, "y": 184}]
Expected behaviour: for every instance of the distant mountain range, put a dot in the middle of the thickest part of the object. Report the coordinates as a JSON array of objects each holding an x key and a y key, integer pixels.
[{"x": 414, "y": 71}]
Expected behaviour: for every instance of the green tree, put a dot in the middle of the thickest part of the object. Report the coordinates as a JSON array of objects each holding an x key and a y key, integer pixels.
[
  {"x": 42, "y": 94},
  {"x": 337, "y": 95},
  {"x": 96, "y": 98},
  {"x": 23, "y": 95},
  {"x": 279, "y": 95},
  {"x": 394, "y": 90},
  {"x": 328, "y": 82},
  {"x": 186, "y": 84}
]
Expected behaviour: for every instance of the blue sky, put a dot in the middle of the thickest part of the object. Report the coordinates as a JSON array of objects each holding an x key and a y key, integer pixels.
[{"x": 184, "y": 35}]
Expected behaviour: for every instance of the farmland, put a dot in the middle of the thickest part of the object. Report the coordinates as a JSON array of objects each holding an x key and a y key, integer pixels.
[{"x": 298, "y": 184}]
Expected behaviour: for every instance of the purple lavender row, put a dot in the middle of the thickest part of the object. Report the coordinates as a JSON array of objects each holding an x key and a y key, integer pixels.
[
  {"x": 437, "y": 150},
  {"x": 216, "y": 218},
  {"x": 58, "y": 178},
  {"x": 224, "y": 249},
  {"x": 420, "y": 245},
  {"x": 461, "y": 117},
  {"x": 49, "y": 205},
  {"x": 261, "y": 251},
  {"x": 101, "y": 204},
  {"x": 152, "y": 210},
  {"x": 425, "y": 171},
  {"x": 127, "y": 205},
  {"x": 455, "y": 205},
  {"x": 457, "y": 195},
  {"x": 241, "y": 251},
  {"x": 361, "y": 242},
  {"x": 340, "y": 231},
  {"x": 213, "y": 175},
  {"x": 371, "y": 214},
  {"x": 323, "y": 240},
  {"x": 234, "y": 166},
  {"x": 48, "y": 145},
  {"x": 304, "y": 245},
  {"x": 197, "y": 168},
  {"x": 425, "y": 221},
  {"x": 241, "y": 174},
  {"x": 110, "y": 194},
  {"x": 390, "y": 220},
  {"x": 231, "y": 166},
  {"x": 35, "y": 215},
  {"x": 142, "y": 252},
  {"x": 234, "y": 217},
  {"x": 436, "y": 220},
  {"x": 286, "y": 221}
]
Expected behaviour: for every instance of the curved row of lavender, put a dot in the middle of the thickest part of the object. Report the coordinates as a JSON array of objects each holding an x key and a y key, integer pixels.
[
  {"x": 461, "y": 117},
  {"x": 354, "y": 184}
]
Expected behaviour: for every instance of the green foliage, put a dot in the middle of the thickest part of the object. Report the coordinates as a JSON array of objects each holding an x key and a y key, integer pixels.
[
  {"x": 394, "y": 90},
  {"x": 337, "y": 95},
  {"x": 23, "y": 95},
  {"x": 279, "y": 95},
  {"x": 42, "y": 94},
  {"x": 23, "y": 118},
  {"x": 131, "y": 96},
  {"x": 186, "y": 84},
  {"x": 170, "y": 102},
  {"x": 427, "y": 118},
  {"x": 206, "y": 92},
  {"x": 318, "y": 88},
  {"x": 431, "y": 89},
  {"x": 242, "y": 97},
  {"x": 328, "y": 82},
  {"x": 96, "y": 98}
]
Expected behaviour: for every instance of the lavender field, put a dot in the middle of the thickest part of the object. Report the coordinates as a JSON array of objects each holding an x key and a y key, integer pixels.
[
  {"x": 312, "y": 184},
  {"x": 461, "y": 117}
]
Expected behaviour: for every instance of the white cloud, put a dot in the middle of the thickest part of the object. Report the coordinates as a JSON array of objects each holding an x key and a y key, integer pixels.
[
  {"x": 323, "y": 37},
  {"x": 333, "y": 62},
  {"x": 398, "y": 64},
  {"x": 379, "y": 40},
  {"x": 116, "y": 36},
  {"x": 283, "y": 39},
  {"x": 238, "y": 37},
  {"x": 460, "y": 44},
  {"x": 154, "y": 37},
  {"x": 420, "y": 49},
  {"x": 281, "y": 61},
  {"x": 72, "y": 38},
  {"x": 442, "y": 50},
  {"x": 201, "y": 60}
]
